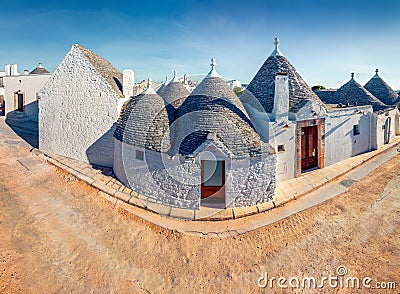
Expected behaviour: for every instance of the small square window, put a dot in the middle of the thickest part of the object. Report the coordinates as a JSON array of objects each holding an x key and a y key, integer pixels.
[
  {"x": 281, "y": 148},
  {"x": 383, "y": 127},
  {"x": 356, "y": 130},
  {"x": 139, "y": 155}
]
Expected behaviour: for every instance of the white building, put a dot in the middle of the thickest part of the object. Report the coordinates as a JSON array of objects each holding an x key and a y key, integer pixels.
[
  {"x": 21, "y": 91},
  {"x": 209, "y": 155},
  {"x": 306, "y": 132},
  {"x": 79, "y": 106}
]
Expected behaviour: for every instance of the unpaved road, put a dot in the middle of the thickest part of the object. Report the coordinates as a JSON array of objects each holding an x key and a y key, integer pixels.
[{"x": 57, "y": 235}]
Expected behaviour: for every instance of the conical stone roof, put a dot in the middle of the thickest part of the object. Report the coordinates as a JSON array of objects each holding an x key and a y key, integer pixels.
[
  {"x": 381, "y": 90},
  {"x": 263, "y": 84},
  {"x": 174, "y": 92},
  {"x": 353, "y": 93},
  {"x": 213, "y": 110},
  {"x": 39, "y": 70},
  {"x": 144, "y": 122}
]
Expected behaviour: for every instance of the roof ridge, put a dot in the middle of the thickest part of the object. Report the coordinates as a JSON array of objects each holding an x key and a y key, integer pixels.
[{"x": 112, "y": 75}]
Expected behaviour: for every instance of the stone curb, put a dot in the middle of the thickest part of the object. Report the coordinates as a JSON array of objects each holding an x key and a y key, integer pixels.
[{"x": 116, "y": 191}]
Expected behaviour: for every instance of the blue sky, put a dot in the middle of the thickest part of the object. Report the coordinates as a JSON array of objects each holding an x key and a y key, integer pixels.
[{"x": 324, "y": 40}]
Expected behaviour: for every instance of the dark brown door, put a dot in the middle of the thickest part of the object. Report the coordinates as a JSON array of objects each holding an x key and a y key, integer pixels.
[
  {"x": 309, "y": 145},
  {"x": 212, "y": 178}
]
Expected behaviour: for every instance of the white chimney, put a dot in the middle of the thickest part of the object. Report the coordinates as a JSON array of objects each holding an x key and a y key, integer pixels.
[
  {"x": 14, "y": 70},
  {"x": 281, "y": 98},
  {"x": 7, "y": 69},
  {"x": 26, "y": 72},
  {"x": 127, "y": 83}
]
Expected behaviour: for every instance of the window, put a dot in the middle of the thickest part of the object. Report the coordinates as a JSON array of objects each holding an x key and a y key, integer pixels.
[
  {"x": 139, "y": 155},
  {"x": 281, "y": 148},
  {"x": 356, "y": 130},
  {"x": 212, "y": 173}
]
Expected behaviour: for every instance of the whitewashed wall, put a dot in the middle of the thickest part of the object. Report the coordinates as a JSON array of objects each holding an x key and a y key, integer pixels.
[
  {"x": 77, "y": 111},
  {"x": 31, "y": 86},
  {"x": 340, "y": 142},
  {"x": 379, "y": 122},
  {"x": 285, "y": 160}
]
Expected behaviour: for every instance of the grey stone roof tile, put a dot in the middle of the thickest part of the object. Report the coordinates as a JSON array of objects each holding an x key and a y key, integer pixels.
[
  {"x": 215, "y": 87},
  {"x": 326, "y": 95},
  {"x": 144, "y": 122},
  {"x": 173, "y": 93},
  {"x": 378, "y": 87},
  {"x": 262, "y": 85},
  {"x": 214, "y": 108},
  {"x": 39, "y": 70},
  {"x": 353, "y": 93},
  {"x": 104, "y": 67}
]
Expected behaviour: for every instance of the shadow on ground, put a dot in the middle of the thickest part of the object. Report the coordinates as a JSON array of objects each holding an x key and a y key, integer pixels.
[{"x": 24, "y": 127}]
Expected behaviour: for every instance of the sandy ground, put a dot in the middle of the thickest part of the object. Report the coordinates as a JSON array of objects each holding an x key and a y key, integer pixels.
[{"x": 58, "y": 236}]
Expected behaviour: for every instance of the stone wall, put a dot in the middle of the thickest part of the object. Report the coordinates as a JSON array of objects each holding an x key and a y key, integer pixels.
[
  {"x": 77, "y": 111},
  {"x": 176, "y": 181}
]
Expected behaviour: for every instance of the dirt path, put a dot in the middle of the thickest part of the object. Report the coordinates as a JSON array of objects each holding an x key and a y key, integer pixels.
[{"x": 57, "y": 236}]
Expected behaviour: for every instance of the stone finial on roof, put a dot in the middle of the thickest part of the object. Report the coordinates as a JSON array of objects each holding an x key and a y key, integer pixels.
[
  {"x": 149, "y": 89},
  {"x": 173, "y": 92},
  {"x": 166, "y": 80},
  {"x": 213, "y": 73},
  {"x": 175, "y": 79},
  {"x": 276, "y": 51},
  {"x": 376, "y": 71},
  {"x": 352, "y": 75},
  {"x": 40, "y": 69}
]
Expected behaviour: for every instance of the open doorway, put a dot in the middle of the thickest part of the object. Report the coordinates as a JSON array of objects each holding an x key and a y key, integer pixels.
[
  {"x": 397, "y": 124},
  {"x": 19, "y": 101},
  {"x": 387, "y": 130},
  {"x": 213, "y": 183},
  {"x": 2, "y": 106}
]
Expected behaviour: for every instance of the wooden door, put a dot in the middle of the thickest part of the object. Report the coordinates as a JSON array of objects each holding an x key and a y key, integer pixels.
[
  {"x": 212, "y": 178},
  {"x": 309, "y": 147}
]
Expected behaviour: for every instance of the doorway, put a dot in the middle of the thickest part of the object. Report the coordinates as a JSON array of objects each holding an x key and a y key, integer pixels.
[
  {"x": 309, "y": 148},
  {"x": 387, "y": 130},
  {"x": 213, "y": 183},
  {"x": 2, "y": 106},
  {"x": 20, "y": 106}
]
